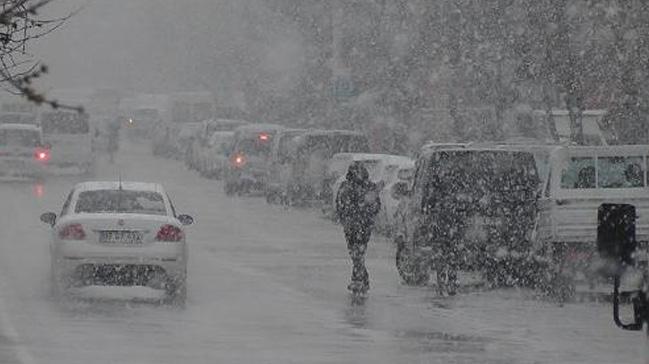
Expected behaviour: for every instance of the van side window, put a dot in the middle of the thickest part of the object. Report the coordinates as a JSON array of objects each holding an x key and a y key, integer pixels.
[
  {"x": 620, "y": 172},
  {"x": 580, "y": 173},
  {"x": 66, "y": 204}
]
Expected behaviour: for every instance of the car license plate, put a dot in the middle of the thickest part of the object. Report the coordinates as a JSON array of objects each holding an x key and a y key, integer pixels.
[{"x": 120, "y": 237}]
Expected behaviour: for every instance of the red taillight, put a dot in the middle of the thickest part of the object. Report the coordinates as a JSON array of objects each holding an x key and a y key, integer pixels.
[
  {"x": 42, "y": 155},
  {"x": 170, "y": 233},
  {"x": 238, "y": 160},
  {"x": 72, "y": 232},
  {"x": 264, "y": 137}
]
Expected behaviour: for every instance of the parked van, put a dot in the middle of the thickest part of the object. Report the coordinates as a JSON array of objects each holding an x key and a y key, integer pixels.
[{"x": 581, "y": 179}]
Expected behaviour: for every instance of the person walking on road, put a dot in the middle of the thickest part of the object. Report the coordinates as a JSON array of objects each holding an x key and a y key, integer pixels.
[{"x": 357, "y": 205}]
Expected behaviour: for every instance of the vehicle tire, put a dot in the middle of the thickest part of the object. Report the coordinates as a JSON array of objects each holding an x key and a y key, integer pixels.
[{"x": 412, "y": 270}]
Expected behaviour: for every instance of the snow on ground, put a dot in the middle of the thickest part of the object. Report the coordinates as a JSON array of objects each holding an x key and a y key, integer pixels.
[{"x": 267, "y": 285}]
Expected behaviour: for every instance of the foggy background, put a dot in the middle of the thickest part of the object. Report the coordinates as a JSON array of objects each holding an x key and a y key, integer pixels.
[
  {"x": 163, "y": 46},
  {"x": 432, "y": 70}
]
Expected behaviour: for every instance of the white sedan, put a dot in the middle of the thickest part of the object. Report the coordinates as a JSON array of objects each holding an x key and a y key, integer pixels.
[{"x": 119, "y": 234}]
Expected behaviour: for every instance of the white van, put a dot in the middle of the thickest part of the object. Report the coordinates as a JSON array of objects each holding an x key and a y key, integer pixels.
[
  {"x": 581, "y": 179},
  {"x": 68, "y": 134}
]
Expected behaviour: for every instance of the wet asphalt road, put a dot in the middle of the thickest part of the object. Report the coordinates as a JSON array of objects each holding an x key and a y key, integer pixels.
[{"x": 267, "y": 285}]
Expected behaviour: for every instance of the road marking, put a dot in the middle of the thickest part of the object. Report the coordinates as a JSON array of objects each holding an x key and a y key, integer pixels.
[{"x": 9, "y": 330}]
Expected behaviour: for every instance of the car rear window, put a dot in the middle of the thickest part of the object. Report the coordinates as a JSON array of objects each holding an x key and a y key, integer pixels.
[
  {"x": 120, "y": 201},
  {"x": 61, "y": 122},
  {"x": 477, "y": 175},
  {"x": 18, "y": 137}
]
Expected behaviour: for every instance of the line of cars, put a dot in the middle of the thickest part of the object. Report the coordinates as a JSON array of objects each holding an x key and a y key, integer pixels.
[
  {"x": 294, "y": 166},
  {"x": 519, "y": 213}
]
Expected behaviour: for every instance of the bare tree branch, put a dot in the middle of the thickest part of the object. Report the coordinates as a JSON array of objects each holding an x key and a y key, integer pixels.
[{"x": 19, "y": 25}]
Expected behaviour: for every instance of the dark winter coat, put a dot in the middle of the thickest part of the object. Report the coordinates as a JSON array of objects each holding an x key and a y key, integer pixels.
[{"x": 357, "y": 202}]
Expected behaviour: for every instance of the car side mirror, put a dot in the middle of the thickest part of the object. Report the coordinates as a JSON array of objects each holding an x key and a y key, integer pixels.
[
  {"x": 185, "y": 219},
  {"x": 49, "y": 218},
  {"x": 616, "y": 237},
  {"x": 400, "y": 190}
]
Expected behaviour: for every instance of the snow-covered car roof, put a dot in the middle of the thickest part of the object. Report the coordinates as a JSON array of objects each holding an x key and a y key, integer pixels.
[
  {"x": 20, "y": 127},
  {"x": 115, "y": 185},
  {"x": 476, "y": 148}
]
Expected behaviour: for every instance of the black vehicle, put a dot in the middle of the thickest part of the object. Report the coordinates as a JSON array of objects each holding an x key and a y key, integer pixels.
[{"x": 470, "y": 209}]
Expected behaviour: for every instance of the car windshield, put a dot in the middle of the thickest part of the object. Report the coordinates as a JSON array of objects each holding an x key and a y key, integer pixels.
[
  {"x": 60, "y": 122},
  {"x": 19, "y": 137},
  {"x": 120, "y": 201}
]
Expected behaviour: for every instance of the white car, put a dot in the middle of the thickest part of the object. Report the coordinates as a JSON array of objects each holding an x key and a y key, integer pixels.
[
  {"x": 22, "y": 153},
  {"x": 401, "y": 171},
  {"x": 119, "y": 234}
]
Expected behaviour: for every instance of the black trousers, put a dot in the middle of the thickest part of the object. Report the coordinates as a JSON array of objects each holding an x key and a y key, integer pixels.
[{"x": 357, "y": 240}]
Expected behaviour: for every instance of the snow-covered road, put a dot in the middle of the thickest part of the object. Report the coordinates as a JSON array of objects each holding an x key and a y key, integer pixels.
[{"x": 267, "y": 285}]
